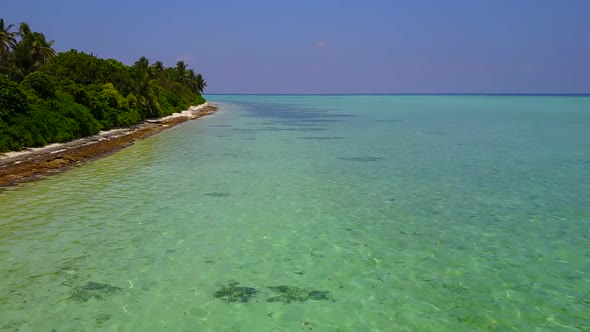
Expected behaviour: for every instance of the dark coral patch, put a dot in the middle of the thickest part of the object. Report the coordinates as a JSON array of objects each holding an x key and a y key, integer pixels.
[
  {"x": 232, "y": 292},
  {"x": 288, "y": 294},
  {"x": 361, "y": 159},
  {"x": 91, "y": 290},
  {"x": 320, "y": 138},
  {"x": 216, "y": 194}
]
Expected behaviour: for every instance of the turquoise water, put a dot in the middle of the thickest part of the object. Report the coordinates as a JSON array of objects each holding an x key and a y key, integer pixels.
[{"x": 324, "y": 213}]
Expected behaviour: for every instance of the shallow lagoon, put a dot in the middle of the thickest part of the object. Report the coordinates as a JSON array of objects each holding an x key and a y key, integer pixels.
[{"x": 326, "y": 213}]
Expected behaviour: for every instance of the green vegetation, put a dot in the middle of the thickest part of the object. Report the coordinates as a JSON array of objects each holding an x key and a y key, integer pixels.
[
  {"x": 288, "y": 294},
  {"x": 233, "y": 292},
  {"x": 92, "y": 290},
  {"x": 51, "y": 98}
]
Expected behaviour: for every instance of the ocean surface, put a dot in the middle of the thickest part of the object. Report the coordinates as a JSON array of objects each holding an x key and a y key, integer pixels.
[{"x": 316, "y": 213}]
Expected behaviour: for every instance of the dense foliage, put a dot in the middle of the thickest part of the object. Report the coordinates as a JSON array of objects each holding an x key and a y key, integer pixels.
[{"x": 47, "y": 98}]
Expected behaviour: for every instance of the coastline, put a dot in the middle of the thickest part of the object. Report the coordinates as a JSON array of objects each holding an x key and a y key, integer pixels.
[{"x": 33, "y": 163}]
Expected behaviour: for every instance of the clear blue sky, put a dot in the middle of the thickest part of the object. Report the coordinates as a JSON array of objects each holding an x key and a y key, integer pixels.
[{"x": 330, "y": 46}]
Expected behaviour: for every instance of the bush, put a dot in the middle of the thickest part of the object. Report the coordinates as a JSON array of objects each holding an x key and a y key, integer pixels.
[
  {"x": 6, "y": 141},
  {"x": 86, "y": 69},
  {"x": 41, "y": 84},
  {"x": 12, "y": 99},
  {"x": 87, "y": 124}
]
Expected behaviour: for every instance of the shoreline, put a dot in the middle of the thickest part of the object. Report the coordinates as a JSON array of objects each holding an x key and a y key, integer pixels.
[{"x": 34, "y": 163}]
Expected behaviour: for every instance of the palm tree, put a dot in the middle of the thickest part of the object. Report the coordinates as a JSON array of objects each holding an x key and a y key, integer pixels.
[
  {"x": 189, "y": 80},
  {"x": 180, "y": 70},
  {"x": 7, "y": 37},
  {"x": 141, "y": 68},
  {"x": 30, "y": 52},
  {"x": 201, "y": 84},
  {"x": 41, "y": 48},
  {"x": 157, "y": 69},
  {"x": 145, "y": 92},
  {"x": 7, "y": 41}
]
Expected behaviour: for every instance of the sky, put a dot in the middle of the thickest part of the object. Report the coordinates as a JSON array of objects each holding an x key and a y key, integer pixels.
[{"x": 335, "y": 46}]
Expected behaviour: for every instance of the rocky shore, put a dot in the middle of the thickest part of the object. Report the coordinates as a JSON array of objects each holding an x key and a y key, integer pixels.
[{"x": 17, "y": 167}]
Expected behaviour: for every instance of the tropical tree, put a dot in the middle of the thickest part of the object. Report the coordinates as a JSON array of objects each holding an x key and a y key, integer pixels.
[
  {"x": 189, "y": 80},
  {"x": 146, "y": 95},
  {"x": 157, "y": 69},
  {"x": 142, "y": 72},
  {"x": 181, "y": 73},
  {"x": 181, "y": 68},
  {"x": 7, "y": 41},
  {"x": 28, "y": 53},
  {"x": 201, "y": 84},
  {"x": 194, "y": 81},
  {"x": 7, "y": 37}
]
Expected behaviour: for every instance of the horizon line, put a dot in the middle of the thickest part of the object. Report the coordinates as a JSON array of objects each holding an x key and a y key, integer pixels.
[{"x": 403, "y": 94}]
